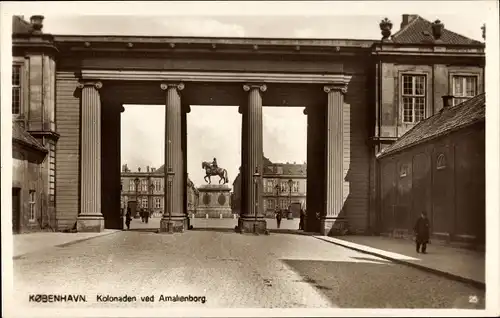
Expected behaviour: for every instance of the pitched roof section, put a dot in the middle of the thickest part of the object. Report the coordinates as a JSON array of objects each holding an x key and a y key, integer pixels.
[
  {"x": 419, "y": 30},
  {"x": 22, "y": 136},
  {"x": 445, "y": 121},
  {"x": 20, "y": 26}
]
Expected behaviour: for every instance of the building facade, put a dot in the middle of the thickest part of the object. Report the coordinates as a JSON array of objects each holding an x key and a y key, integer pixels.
[
  {"x": 145, "y": 189},
  {"x": 360, "y": 96},
  {"x": 32, "y": 198},
  {"x": 438, "y": 167},
  {"x": 284, "y": 184}
]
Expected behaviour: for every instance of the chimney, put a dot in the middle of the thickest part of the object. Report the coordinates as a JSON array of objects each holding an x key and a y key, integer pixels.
[
  {"x": 139, "y": 169},
  {"x": 147, "y": 169},
  {"x": 407, "y": 18},
  {"x": 153, "y": 169},
  {"x": 447, "y": 101},
  {"x": 36, "y": 22},
  {"x": 437, "y": 29}
]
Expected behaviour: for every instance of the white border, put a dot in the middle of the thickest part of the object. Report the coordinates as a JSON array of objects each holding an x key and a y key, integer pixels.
[{"x": 373, "y": 8}]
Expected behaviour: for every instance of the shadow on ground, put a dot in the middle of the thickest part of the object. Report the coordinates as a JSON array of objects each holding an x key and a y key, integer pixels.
[{"x": 382, "y": 284}]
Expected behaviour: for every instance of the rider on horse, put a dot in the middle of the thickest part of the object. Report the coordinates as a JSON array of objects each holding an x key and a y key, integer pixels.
[{"x": 214, "y": 164}]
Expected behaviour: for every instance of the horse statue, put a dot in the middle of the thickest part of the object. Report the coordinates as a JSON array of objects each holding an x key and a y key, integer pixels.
[{"x": 211, "y": 171}]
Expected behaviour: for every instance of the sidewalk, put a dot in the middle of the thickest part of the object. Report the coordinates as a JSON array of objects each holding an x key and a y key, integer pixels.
[
  {"x": 455, "y": 263},
  {"x": 34, "y": 242}
]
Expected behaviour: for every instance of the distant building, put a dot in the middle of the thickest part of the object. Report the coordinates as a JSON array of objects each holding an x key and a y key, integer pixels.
[
  {"x": 150, "y": 191},
  {"x": 277, "y": 192},
  {"x": 437, "y": 167}
]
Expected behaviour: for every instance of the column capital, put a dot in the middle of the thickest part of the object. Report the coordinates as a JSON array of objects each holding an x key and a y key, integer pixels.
[
  {"x": 261, "y": 87},
  {"x": 335, "y": 87},
  {"x": 95, "y": 84},
  {"x": 178, "y": 86}
]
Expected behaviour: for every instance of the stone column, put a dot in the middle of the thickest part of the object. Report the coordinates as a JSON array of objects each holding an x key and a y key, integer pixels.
[
  {"x": 242, "y": 202},
  {"x": 252, "y": 216},
  {"x": 174, "y": 218},
  {"x": 334, "y": 221},
  {"x": 185, "y": 110},
  {"x": 90, "y": 218}
]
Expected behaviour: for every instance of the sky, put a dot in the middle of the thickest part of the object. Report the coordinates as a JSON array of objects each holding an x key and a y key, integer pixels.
[{"x": 216, "y": 131}]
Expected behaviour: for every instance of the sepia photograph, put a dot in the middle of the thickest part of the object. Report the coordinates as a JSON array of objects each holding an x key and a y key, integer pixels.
[{"x": 250, "y": 158}]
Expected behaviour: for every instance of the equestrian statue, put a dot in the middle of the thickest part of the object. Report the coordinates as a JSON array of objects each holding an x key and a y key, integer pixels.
[{"x": 212, "y": 169}]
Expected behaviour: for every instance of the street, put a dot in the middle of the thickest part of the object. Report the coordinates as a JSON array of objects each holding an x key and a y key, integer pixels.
[{"x": 229, "y": 270}]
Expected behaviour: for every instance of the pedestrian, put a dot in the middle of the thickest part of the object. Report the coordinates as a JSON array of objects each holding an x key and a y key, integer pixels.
[
  {"x": 279, "y": 215},
  {"x": 422, "y": 232},
  {"x": 146, "y": 216},
  {"x": 301, "y": 222},
  {"x": 141, "y": 213},
  {"x": 128, "y": 218}
]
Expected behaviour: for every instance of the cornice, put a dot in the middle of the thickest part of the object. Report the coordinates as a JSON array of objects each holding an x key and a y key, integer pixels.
[{"x": 225, "y": 77}]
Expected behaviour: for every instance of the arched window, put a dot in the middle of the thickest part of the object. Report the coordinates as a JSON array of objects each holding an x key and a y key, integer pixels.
[
  {"x": 441, "y": 162},
  {"x": 403, "y": 171}
]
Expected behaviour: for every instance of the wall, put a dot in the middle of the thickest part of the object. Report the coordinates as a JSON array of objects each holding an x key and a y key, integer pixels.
[
  {"x": 451, "y": 191},
  {"x": 26, "y": 175},
  {"x": 67, "y": 150},
  {"x": 439, "y": 81}
]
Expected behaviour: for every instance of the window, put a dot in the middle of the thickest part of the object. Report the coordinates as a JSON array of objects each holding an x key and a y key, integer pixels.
[
  {"x": 157, "y": 184},
  {"x": 413, "y": 96},
  {"x": 441, "y": 162},
  {"x": 32, "y": 204},
  {"x": 16, "y": 89},
  {"x": 144, "y": 185},
  {"x": 270, "y": 204},
  {"x": 295, "y": 186},
  {"x": 464, "y": 87},
  {"x": 269, "y": 186},
  {"x": 131, "y": 185},
  {"x": 144, "y": 203},
  {"x": 157, "y": 203}
]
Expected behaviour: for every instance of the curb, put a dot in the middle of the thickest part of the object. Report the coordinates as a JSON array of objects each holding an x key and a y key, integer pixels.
[
  {"x": 459, "y": 278},
  {"x": 66, "y": 244}
]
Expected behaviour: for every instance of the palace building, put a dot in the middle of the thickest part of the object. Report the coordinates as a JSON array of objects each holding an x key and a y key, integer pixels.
[
  {"x": 360, "y": 97},
  {"x": 145, "y": 189},
  {"x": 284, "y": 184}
]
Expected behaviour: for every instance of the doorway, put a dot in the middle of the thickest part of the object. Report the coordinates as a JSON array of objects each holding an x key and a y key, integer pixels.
[{"x": 16, "y": 210}]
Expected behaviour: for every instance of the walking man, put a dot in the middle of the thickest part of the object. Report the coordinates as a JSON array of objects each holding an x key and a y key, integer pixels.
[
  {"x": 278, "y": 217},
  {"x": 128, "y": 218},
  {"x": 422, "y": 232}
]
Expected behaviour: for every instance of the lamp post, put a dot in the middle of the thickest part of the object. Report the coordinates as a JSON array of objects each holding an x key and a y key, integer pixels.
[
  {"x": 290, "y": 184},
  {"x": 278, "y": 189},
  {"x": 170, "y": 178},
  {"x": 150, "y": 203},
  {"x": 136, "y": 182},
  {"x": 256, "y": 176}
]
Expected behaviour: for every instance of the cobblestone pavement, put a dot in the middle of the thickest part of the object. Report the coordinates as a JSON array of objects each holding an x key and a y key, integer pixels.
[
  {"x": 230, "y": 270},
  {"x": 225, "y": 223}
]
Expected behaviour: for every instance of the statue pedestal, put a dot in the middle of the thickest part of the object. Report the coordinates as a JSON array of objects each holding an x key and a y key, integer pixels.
[{"x": 214, "y": 201}]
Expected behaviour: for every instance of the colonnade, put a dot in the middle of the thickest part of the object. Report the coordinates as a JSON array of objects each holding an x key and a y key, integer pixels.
[{"x": 324, "y": 156}]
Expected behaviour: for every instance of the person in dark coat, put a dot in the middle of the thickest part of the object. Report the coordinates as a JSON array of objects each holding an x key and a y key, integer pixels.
[
  {"x": 128, "y": 218},
  {"x": 279, "y": 216},
  {"x": 146, "y": 216},
  {"x": 422, "y": 232}
]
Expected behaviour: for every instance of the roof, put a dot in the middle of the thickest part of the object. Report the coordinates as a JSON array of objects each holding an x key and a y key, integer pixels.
[
  {"x": 22, "y": 136},
  {"x": 447, "y": 120},
  {"x": 419, "y": 30},
  {"x": 20, "y": 26}
]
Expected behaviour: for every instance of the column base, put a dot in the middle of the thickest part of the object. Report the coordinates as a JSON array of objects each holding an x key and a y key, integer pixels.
[
  {"x": 334, "y": 226},
  {"x": 252, "y": 225},
  {"x": 89, "y": 223},
  {"x": 173, "y": 225}
]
